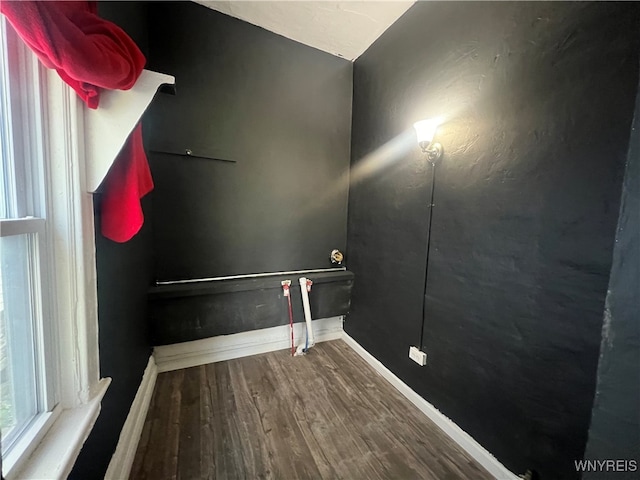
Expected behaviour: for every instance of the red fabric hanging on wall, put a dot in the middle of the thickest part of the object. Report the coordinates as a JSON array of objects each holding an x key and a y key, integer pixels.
[
  {"x": 90, "y": 53},
  {"x": 128, "y": 180},
  {"x": 87, "y": 51}
]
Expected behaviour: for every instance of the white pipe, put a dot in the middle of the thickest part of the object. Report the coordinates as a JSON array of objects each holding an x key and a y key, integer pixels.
[{"x": 307, "y": 315}]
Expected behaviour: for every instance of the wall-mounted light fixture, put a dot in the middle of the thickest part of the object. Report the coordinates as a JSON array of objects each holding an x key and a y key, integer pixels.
[{"x": 425, "y": 131}]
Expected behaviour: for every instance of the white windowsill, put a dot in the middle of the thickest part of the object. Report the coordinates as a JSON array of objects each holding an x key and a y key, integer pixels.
[{"x": 55, "y": 455}]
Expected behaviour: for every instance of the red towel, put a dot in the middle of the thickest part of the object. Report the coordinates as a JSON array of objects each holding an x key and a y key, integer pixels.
[
  {"x": 128, "y": 180},
  {"x": 87, "y": 51},
  {"x": 90, "y": 53}
]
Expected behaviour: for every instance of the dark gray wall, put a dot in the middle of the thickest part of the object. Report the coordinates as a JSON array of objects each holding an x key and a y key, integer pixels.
[
  {"x": 125, "y": 272},
  {"x": 282, "y": 110},
  {"x": 538, "y": 99},
  {"x": 615, "y": 421}
]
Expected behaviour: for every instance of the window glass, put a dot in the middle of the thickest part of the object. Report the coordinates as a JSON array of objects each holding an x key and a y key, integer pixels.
[{"x": 18, "y": 390}]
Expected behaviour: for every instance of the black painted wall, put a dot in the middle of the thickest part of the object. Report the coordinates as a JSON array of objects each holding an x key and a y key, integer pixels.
[
  {"x": 615, "y": 422},
  {"x": 124, "y": 272},
  {"x": 538, "y": 99},
  {"x": 282, "y": 110}
]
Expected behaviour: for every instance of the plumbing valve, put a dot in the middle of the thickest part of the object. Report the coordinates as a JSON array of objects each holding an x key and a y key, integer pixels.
[
  {"x": 286, "y": 285},
  {"x": 336, "y": 257}
]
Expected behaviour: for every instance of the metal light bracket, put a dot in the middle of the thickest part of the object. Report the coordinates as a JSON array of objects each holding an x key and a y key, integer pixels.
[{"x": 433, "y": 150}]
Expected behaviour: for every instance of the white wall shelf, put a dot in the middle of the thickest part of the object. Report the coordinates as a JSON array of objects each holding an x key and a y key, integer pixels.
[{"x": 109, "y": 126}]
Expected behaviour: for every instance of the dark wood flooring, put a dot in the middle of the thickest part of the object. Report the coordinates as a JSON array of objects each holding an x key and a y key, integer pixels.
[{"x": 326, "y": 415}]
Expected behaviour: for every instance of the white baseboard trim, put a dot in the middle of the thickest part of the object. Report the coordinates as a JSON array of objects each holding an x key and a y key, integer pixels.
[
  {"x": 227, "y": 347},
  {"x": 122, "y": 459},
  {"x": 463, "y": 439}
]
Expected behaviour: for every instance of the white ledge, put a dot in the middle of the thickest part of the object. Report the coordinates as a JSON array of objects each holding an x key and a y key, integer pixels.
[{"x": 107, "y": 127}]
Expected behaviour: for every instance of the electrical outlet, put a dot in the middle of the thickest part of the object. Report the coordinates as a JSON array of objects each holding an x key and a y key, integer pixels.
[{"x": 418, "y": 356}]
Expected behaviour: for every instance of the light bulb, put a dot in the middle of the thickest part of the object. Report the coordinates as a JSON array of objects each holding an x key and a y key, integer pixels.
[{"x": 426, "y": 130}]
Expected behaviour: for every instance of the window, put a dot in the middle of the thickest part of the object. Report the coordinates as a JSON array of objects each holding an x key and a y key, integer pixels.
[
  {"x": 49, "y": 367},
  {"x": 26, "y": 359}
]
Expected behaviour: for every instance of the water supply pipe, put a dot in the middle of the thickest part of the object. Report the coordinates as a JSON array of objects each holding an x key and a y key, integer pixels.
[
  {"x": 305, "y": 288},
  {"x": 286, "y": 288}
]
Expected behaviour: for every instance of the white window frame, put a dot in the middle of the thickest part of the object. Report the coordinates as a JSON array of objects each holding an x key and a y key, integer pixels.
[{"x": 51, "y": 445}]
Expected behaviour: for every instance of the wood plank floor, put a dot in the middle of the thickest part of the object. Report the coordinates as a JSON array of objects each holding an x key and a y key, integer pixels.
[{"x": 326, "y": 415}]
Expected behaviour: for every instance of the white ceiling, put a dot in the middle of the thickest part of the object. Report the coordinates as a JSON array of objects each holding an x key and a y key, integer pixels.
[{"x": 345, "y": 29}]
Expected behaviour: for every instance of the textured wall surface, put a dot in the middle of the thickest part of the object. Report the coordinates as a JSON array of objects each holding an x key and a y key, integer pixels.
[
  {"x": 538, "y": 100},
  {"x": 615, "y": 424},
  {"x": 282, "y": 110},
  {"x": 125, "y": 272}
]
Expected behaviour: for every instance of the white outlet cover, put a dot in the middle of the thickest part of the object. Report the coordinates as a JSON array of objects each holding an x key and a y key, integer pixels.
[{"x": 418, "y": 356}]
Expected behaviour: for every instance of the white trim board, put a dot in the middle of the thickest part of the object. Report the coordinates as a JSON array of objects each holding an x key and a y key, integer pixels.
[
  {"x": 463, "y": 439},
  {"x": 122, "y": 459},
  {"x": 227, "y": 347}
]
